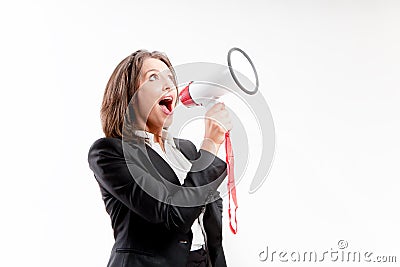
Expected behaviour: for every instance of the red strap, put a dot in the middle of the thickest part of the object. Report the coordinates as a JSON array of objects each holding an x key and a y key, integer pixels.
[{"x": 231, "y": 180}]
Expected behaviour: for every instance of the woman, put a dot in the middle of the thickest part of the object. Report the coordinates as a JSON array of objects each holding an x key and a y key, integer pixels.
[{"x": 170, "y": 223}]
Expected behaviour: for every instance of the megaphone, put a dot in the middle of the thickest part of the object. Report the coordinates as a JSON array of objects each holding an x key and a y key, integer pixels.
[{"x": 206, "y": 93}]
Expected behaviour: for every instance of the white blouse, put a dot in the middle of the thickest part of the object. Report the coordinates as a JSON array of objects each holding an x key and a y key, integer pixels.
[{"x": 181, "y": 166}]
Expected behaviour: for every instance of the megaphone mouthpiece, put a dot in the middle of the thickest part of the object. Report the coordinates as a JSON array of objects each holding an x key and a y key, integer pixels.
[{"x": 185, "y": 97}]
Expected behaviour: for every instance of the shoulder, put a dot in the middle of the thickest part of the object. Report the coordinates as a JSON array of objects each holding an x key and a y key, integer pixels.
[
  {"x": 109, "y": 143},
  {"x": 105, "y": 147}
]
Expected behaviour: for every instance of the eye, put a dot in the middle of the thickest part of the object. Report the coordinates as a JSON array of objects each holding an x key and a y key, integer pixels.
[
  {"x": 153, "y": 77},
  {"x": 171, "y": 78}
]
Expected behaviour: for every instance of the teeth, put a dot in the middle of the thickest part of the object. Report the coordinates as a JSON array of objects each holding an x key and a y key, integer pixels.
[{"x": 167, "y": 97}]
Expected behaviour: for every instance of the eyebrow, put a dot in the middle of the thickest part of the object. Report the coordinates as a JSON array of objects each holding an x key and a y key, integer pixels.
[{"x": 156, "y": 71}]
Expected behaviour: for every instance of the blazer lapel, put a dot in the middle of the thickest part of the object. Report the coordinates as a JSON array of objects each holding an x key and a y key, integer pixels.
[{"x": 162, "y": 166}]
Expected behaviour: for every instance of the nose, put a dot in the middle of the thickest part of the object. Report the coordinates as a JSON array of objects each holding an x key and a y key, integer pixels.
[
  {"x": 167, "y": 83},
  {"x": 166, "y": 86}
]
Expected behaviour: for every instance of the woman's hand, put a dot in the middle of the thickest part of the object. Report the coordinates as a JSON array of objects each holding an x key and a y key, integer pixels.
[{"x": 217, "y": 123}]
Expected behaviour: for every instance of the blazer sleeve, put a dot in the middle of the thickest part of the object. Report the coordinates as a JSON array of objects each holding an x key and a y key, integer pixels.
[{"x": 124, "y": 177}]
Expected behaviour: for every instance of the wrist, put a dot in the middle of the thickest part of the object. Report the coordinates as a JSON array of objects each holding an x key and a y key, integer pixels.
[{"x": 211, "y": 146}]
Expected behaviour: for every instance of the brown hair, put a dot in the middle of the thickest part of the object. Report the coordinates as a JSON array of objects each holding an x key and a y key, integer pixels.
[{"x": 121, "y": 87}]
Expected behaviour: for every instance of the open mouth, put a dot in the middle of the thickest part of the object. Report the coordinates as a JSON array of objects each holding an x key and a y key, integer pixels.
[{"x": 166, "y": 104}]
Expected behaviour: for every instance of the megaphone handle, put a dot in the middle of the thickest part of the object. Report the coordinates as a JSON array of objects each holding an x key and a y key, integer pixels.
[{"x": 210, "y": 103}]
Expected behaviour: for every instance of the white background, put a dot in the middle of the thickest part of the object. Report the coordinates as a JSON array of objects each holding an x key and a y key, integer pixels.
[{"x": 329, "y": 71}]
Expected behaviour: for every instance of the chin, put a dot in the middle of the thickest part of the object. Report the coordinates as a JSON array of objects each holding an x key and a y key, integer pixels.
[{"x": 168, "y": 121}]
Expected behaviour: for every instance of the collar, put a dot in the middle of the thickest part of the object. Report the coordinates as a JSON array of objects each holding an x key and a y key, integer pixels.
[{"x": 149, "y": 137}]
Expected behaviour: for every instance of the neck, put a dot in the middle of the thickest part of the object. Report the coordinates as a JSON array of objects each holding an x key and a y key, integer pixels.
[{"x": 157, "y": 132}]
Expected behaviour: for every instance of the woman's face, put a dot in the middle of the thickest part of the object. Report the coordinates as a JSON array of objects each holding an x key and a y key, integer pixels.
[{"x": 156, "y": 96}]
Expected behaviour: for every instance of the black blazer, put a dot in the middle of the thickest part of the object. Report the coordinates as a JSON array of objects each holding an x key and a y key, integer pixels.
[{"x": 149, "y": 232}]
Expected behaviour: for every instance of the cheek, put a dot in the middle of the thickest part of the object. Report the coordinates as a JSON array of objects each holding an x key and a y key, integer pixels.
[
  {"x": 148, "y": 108},
  {"x": 147, "y": 100}
]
